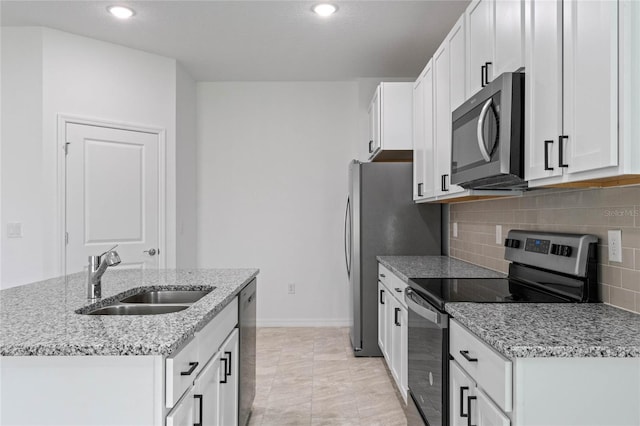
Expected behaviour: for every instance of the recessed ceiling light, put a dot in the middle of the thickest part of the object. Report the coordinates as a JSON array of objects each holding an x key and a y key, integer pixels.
[
  {"x": 324, "y": 9},
  {"x": 121, "y": 12}
]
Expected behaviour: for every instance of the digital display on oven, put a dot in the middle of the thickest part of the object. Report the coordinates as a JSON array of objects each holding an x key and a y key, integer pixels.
[{"x": 537, "y": 246}]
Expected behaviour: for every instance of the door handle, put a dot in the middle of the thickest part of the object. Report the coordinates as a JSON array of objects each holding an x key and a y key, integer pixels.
[
  {"x": 480, "y": 130},
  {"x": 546, "y": 155},
  {"x": 381, "y": 297},
  {"x": 462, "y": 389},
  {"x": 486, "y": 73},
  {"x": 347, "y": 241},
  {"x": 224, "y": 370},
  {"x": 193, "y": 366},
  {"x": 469, "y": 399},
  {"x": 228, "y": 373},
  {"x": 443, "y": 180},
  {"x": 152, "y": 252},
  {"x": 370, "y": 147},
  {"x": 561, "y": 162},
  {"x": 199, "y": 398},
  {"x": 482, "y": 69},
  {"x": 420, "y": 194},
  {"x": 396, "y": 321},
  {"x": 466, "y": 356}
]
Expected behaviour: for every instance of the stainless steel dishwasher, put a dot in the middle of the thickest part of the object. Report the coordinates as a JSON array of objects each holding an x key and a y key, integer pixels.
[{"x": 247, "y": 325}]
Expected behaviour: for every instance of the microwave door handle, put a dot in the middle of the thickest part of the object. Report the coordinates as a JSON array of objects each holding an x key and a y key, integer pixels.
[{"x": 481, "y": 143}]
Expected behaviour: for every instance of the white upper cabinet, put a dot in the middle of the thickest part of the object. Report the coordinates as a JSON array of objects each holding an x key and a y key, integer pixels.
[
  {"x": 423, "y": 175},
  {"x": 494, "y": 40},
  {"x": 575, "y": 99},
  {"x": 390, "y": 117},
  {"x": 443, "y": 123},
  {"x": 456, "y": 41}
]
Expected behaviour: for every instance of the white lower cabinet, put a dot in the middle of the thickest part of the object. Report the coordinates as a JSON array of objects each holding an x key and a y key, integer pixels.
[
  {"x": 393, "y": 327},
  {"x": 130, "y": 390},
  {"x": 487, "y": 389},
  {"x": 182, "y": 414},
  {"x": 228, "y": 396},
  {"x": 207, "y": 394}
]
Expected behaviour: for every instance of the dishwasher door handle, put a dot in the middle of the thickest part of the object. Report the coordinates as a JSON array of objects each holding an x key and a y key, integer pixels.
[{"x": 418, "y": 306}]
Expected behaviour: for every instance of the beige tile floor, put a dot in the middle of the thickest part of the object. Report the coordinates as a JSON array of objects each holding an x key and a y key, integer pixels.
[{"x": 308, "y": 376}]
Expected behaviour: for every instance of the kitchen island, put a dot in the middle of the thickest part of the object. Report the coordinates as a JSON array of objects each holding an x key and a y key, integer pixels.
[{"x": 117, "y": 369}]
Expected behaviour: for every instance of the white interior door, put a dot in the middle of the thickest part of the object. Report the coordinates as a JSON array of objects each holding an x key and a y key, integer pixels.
[{"x": 112, "y": 195}]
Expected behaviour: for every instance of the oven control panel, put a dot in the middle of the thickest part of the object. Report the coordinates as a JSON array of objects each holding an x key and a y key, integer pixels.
[
  {"x": 559, "y": 252},
  {"x": 537, "y": 246}
]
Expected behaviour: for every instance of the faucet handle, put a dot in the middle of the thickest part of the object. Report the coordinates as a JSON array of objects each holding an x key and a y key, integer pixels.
[{"x": 109, "y": 251}]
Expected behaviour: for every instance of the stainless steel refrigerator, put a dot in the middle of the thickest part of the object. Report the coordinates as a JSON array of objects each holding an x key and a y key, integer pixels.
[{"x": 381, "y": 219}]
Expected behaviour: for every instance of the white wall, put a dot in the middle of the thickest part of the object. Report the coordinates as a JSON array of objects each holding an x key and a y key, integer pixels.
[
  {"x": 186, "y": 172},
  {"x": 22, "y": 158},
  {"x": 83, "y": 77},
  {"x": 272, "y": 186}
]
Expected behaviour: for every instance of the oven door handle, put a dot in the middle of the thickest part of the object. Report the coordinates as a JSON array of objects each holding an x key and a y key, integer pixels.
[
  {"x": 419, "y": 307},
  {"x": 481, "y": 142}
]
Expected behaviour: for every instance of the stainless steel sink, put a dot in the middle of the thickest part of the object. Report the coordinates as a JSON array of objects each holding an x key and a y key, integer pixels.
[
  {"x": 138, "y": 309},
  {"x": 167, "y": 296}
]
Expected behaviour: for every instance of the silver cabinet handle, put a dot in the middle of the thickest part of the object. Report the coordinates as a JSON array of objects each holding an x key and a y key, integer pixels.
[
  {"x": 152, "y": 252},
  {"x": 480, "y": 132}
]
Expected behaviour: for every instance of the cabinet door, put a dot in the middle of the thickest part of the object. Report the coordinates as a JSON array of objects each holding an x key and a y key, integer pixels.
[
  {"x": 396, "y": 340},
  {"x": 423, "y": 158},
  {"x": 443, "y": 124},
  {"x": 590, "y": 84},
  {"x": 487, "y": 413},
  {"x": 479, "y": 41},
  {"x": 461, "y": 386},
  {"x": 456, "y": 44},
  {"x": 229, "y": 380},
  {"x": 182, "y": 413},
  {"x": 382, "y": 318},
  {"x": 374, "y": 124},
  {"x": 543, "y": 88},
  {"x": 404, "y": 352},
  {"x": 207, "y": 394},
  {"x": 509, "y": 36}
]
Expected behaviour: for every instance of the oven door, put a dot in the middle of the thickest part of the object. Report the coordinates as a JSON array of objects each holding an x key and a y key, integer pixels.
[{"x": 428, "y": 359}]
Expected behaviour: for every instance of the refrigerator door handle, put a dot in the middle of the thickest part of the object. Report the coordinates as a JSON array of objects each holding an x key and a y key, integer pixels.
[{"x": 347, "y": 237}]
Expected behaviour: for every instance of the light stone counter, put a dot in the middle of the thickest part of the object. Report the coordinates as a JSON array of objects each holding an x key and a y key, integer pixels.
[
  {"x": 41, "y": 319},
  {"x": 407, "y": 267},
  {"x": 528, "y": 330}
]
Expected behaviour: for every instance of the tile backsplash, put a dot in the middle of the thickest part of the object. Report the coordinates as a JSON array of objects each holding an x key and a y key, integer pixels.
[{"x": 588, "y": 211}]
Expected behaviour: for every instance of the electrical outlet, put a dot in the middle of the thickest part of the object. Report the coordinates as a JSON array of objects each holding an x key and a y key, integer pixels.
[
  {"x": 455, "y": 229},
  {"x": 292, "y": 288},
  {"x": 499, "y": 234},
  {"x": 615, "y": 245},
  {"x": 14, "y": 230}
]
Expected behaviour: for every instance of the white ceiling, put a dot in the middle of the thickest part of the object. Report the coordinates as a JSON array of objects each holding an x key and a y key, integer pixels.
[{"x": 261, "y": 40}]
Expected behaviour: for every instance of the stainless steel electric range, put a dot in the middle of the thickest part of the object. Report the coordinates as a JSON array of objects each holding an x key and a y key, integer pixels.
[{"x": 545, "y": 268}]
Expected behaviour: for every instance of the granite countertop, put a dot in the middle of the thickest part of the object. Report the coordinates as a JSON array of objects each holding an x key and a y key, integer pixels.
[
  {"x": 519, "y": 330},
  {"x": 407, "y": 267},
  {"x": 41, "y": 319}
]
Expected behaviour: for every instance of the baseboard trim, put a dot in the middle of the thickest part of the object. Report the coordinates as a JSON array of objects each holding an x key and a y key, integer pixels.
[{"x": 307, "y": 322}]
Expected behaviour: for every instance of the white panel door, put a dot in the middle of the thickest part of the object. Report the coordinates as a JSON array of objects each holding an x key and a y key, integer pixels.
[
  {"x": 112, "y": 195},
  {"x": 590, "y": 84},
  {"x": 479, "y": 42},
  {"x": 443, "y": 122},
  {"x": 509, "y": 36},
  {"x": 382, "y": 318},
  {"x": 543, "y": 88},
  {"x": 488, "y": 414},
  {"x": 182, "y": 414},
  {"x": 457, "y": 64},
  {"x": 461, "y": 387},
  {"x": 229, "y": 380},
  {"x": 423, "y": 135},
  {"x": 207, "y": 394}
]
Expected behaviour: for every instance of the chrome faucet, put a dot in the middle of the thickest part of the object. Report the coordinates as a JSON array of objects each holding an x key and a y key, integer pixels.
[{"x": 97, "y": 267}]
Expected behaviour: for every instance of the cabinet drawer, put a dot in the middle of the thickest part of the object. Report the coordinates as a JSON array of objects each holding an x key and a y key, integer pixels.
[
  {"x": 211, "y": 337},
  {"x": 394, "y": 284},
  {"x": 181, "y": 370},
  {"x": 491, "y": 371}
]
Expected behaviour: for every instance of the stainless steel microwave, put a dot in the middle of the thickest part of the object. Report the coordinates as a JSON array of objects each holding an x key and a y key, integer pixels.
[{"x": 487, "y": 148}]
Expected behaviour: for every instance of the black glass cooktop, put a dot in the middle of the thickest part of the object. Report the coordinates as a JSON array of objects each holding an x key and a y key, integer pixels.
[{"x": 439, "y": 291}]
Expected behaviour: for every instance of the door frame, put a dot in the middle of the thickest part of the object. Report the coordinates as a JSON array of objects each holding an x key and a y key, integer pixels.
[{"x": 61, "y": 166}]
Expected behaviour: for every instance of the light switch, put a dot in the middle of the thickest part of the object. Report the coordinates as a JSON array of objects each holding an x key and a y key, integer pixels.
[
  {"x": 14, "y": 230},
  {"x": 455, "y": 229},
  {"x": 499, "y": 234}
]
